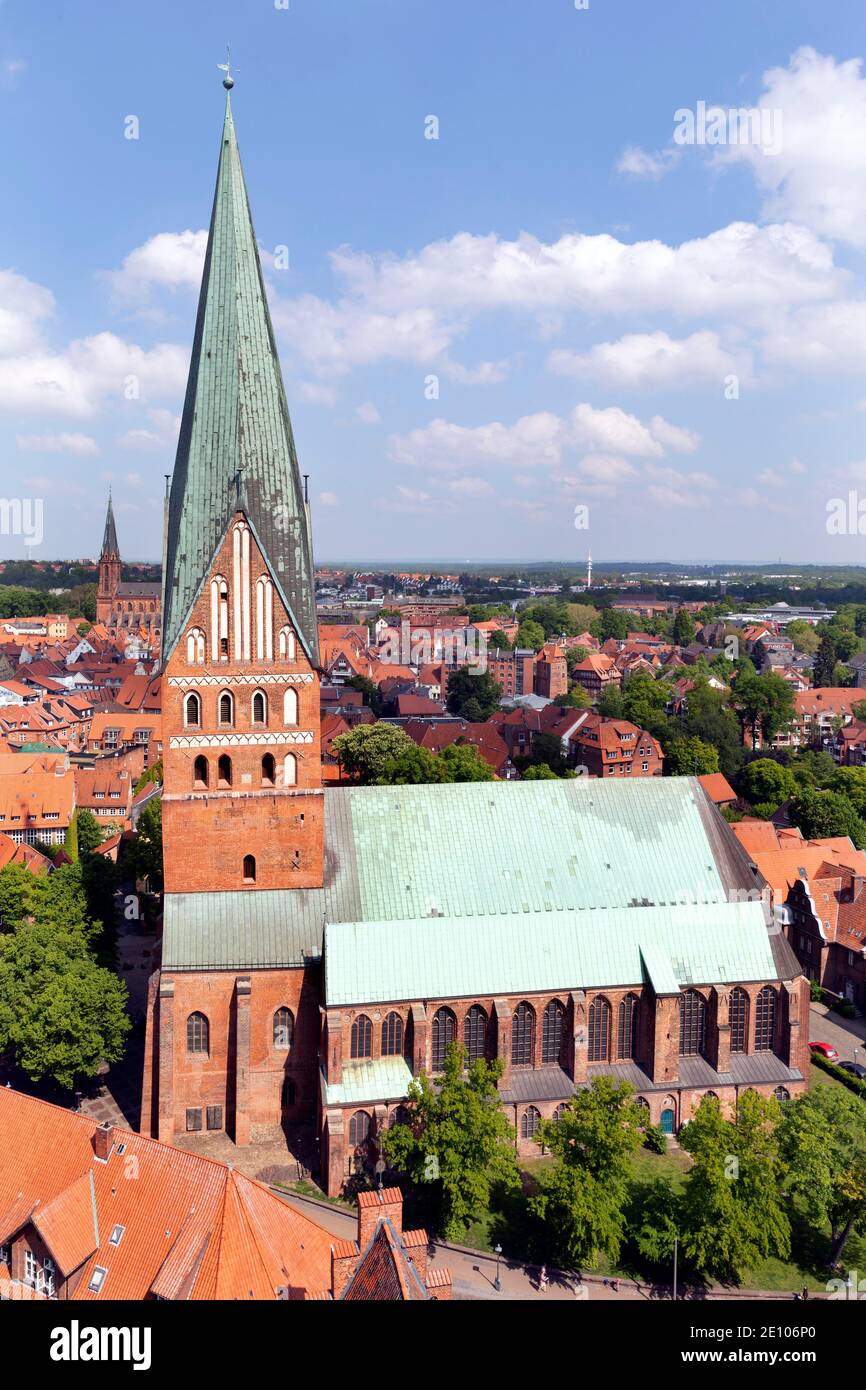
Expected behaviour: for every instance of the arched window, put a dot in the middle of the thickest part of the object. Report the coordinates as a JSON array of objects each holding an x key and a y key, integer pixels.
[
  {"x": 781, "y": 1094},
  {"x": 644, "y": 1104},
  {"x": 523, "y": 1035},
  {"x": 738, "y": 1016},
  {"x": 219, "y": 618},
  {"x": 260, "y": 707},
  {"x": 392, "y": 1035},
  {"x": 197, "y": 1033},
  {"x": 199, "y": 771},
  {"x": 194, "y": 646},
  {"x": 191, "y": 711},
  {"x": 765, "y": 1020},
  {"x": 249, "y": 868},
  {"x": 626, "y": 1027},
  {"x": 599, "y": 1030},
  {"x": 401, "y": 1116},
  {"x": 224, "y": 770},
  {"x": 359, "y": 1129},
  {"x": 269, "y": 770},
  {"x": 559, "y": 1113},
  {"x": 287, "y": 1092},
  {"x": 290, "y": 707},
  {"x": 226, "y": 708},
  {"x": 284, "y": 1029},
  {"x": 529, "y": 1122},
  {"x": 264, "y": 619},
  {"x": 441, "y": 1034},
  {"x": 286, "y": 644},
  {"x": 475, "y": 1033},
  {"x": 362, "y": 1037},
  {"x": 551, "y": 1031},
  {"x": 693, "y": 1023},
  {"x": 290, "y": 770}
]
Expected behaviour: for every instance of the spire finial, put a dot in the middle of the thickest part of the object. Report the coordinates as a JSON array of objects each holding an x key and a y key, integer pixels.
[{"x": 226, "y": 67}]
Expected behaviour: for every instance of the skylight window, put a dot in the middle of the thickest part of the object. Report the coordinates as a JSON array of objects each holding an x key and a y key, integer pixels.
[
  {"x": 116, "y": 1235},
  {"x": 97, "y": 1279}
]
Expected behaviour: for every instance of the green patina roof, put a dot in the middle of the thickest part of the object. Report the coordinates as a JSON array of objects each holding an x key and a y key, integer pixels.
[
  {"x": 386, "y": 1078},
  {"x": 585, "y": 853},
  {"x": 235, "y": 436},
  {"x": 109, "y": 536},
  {"x": 379, "y": 962}
]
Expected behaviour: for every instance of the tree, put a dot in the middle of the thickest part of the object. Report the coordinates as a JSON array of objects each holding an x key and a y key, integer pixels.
[
  {"x": 150, "y": 774},
  {"x": 89, "y": 831},
  {"x": 613, "y": 623},
  {"x": 825, "y": 660},
  {"x": 462, "y": 762},
  {"x": 577, "y": 697},
  {"x": 15, "y": 883},
  {"x": 823, "y": 1140},
  {"x": 472, "y": 712},
  {"x": 822, "y": 815},
  {"x": 539, "y": 772},
  {"x": 858, "y": 709},
  {"x": 61, "y": 1014},
  {"x": 530, "y": 635},
  {"x": 732, "y": 1214},
  {"x": 369, "y": 691},
  {"x": 691, "y": 757},
  {"x": 581, "y": 1197},
  {"x": 463, "y": 687},
  {"x": 804, "y": 636},
  {"x": 610, "y": 702},
  {"x": 367, "y": 750},
  {"x": 498, "y": 641},
  {"x": 766, "y": 781},
  {"x": 143, "y": 856},
  {"x": 70, "y": 839},
  {"x": 765, "y": 703},
  {"x": 457, "y": 1137},
  {"x": 684, "y": 628},
  {"x": 851, "y": 782}
]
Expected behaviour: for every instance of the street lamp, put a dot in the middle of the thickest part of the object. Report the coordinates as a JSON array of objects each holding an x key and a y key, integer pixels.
[{"x": 497, "y": 1283}]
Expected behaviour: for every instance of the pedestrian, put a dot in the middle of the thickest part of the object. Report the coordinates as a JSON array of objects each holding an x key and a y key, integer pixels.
[
  {"x": 542, "y": 1279},
  {"x": 805, "y": 1293},
  {"x": 614, "y": 1284}
]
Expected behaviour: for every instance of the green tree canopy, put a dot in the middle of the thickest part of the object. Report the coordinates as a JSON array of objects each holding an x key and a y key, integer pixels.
[
  {"x": 143, "y": 855},
  {"x": 530, "y": 635},
  {"x": 684, "y": 628},
  {"x": 823, "y": 1139},
  {"x": 463, "y": 687},
  {"x": 766, "y": 781},
  {"x": 458, "y": 1138},
  {"x": 462, "y": 762},
  {"x": 691, "y": 757},
  {"x": 822, "y": 815}
]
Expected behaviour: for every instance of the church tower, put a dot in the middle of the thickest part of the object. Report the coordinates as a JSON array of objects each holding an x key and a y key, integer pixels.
[
  {"x": 242, "y": 801},
  {"x": 109, "y": 568},
  {"x": 232, "y": 1041}
]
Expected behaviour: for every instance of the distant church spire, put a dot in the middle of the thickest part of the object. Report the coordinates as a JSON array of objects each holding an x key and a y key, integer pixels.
[
  {"x": 109, "y": 537},
  {"x": 236, "y": 423}
]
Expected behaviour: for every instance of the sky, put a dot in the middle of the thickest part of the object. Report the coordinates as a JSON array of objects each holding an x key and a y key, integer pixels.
[{"x": 529, "y": 301}]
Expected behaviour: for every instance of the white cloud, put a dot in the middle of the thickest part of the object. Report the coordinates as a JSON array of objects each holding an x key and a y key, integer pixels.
[
  {"x": 11, "y": 69},
  {"x": 172, "y": 260},
  {"x": 80, "y": 444},
  {"x": 329, "y": 499},
  {"x": 531, "y": 440},
  {"x": 818, "y": 178},
  {"x": 163, "y": 435},
  {"x": 822, "y": 338},
  {"x": 404, "y": 499},
  {"x": 337, "y": 337},
  {"x": 24, "y": 306},
  {"x": 675, "y": 437},
  {"x": 77, "y": 381},
  {"x": 671, "y": 488},
  {"x": 484, "y": 374},
  {"x": 470, "y": 487},
  {"x": 316, "y": 393},
  {"x": 643, "y": 164},
  {"x": 612, "y": 430},
  {"x": 641, "y": 360},
  {"x": 368, "y": 414}
]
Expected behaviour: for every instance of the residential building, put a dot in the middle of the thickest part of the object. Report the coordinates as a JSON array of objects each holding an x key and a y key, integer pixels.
[
  {"x": 614, "y": 748},
  {"x": 551, "y": 671},
  {"x": 37, "y": 797},
  {"x": 595, "y": 673}
]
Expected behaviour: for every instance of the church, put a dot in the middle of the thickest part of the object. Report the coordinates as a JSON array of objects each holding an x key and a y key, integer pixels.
[
  {"x": 124, "y": 607},
  {"x": 323, "y": 945}
]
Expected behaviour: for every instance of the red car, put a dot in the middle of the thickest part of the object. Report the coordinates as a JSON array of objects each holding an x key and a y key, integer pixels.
[{"x": 826, "y": 1050}]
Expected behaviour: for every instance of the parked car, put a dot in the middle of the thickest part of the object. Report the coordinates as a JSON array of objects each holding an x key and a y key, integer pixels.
[
  {"x": 826, "y": 1050},
  {"x": 855, "y": 1069}
]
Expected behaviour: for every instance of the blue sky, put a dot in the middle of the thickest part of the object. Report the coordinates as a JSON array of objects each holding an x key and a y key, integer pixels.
[{"x": 671, "y": 336}]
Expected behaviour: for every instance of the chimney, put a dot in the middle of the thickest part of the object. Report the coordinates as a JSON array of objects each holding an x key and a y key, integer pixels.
[
  {"x": 374, "y": 1206},
  {"x": 103, "y": 1140}
]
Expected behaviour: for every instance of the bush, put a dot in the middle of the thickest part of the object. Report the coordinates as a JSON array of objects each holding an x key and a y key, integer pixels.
[
  {"x": 816, "y": 993},
  {"x": 655, "y": 1139},
  {"x": 845, "y": 1008},
  {"x": 852, "y": 1082}
]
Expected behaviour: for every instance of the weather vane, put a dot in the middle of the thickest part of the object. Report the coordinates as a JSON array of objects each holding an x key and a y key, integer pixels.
[{"x": 226, "y": 67}]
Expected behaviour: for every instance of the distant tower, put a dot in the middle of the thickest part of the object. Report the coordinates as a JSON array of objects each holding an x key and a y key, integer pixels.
[
  {"x": 109, "y": 568},
  {"x": 589, "y": 570}
]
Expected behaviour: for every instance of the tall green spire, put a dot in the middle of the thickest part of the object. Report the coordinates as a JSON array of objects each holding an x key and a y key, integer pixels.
[
  {"x": 236, "y": 445},
  {"x": 109, "y": 536}
]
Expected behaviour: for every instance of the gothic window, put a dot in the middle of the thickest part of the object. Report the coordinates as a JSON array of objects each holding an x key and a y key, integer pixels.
[
  {"x": 226, "y": 708},
  {"x": 269, "y": 770},
  {"x": 693, "y": 1023},
  {"x": 765, "y": 1020},
  {"x": 626, "y": 1027},
  {"x": 224, "y": 770},
  {"x": 392, "y": 1035},
  {"x": 260, "y": 707},
  {"x": 192, "y": 711},
  {"x": 264, "y": 619},
  {"x": 781, "y": 1093},
  {"x": 442, "y": 1033},
  {"x": 290, "y": 707},
  {"x": 284, "y": 1029},
  {"x": 197, "y": 1033},
  {"x": 359, "y": 1129},
  {"x": 362, "y": 1037},
  {"x": 523, "y": 1035},
  {"x": 738, "y": 1016},
  {"x": 529, "y": 1122},
  {"x": 559, "y": 1113},
  {"x": 599, "y": 1030},
  {"x": 194, "y": 647},
  {"x": 199, "y": 772},
  {"x": 249, "y": 868},
  {"x": 475, "y": 1033},
  {"x": 219, "y": 619},
  {"x": 551, "y": 1031},
  {"x": 290, "y": 770},
  {"x": 287, "y": 1092},
  {"x": 286, "y": 646}
]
